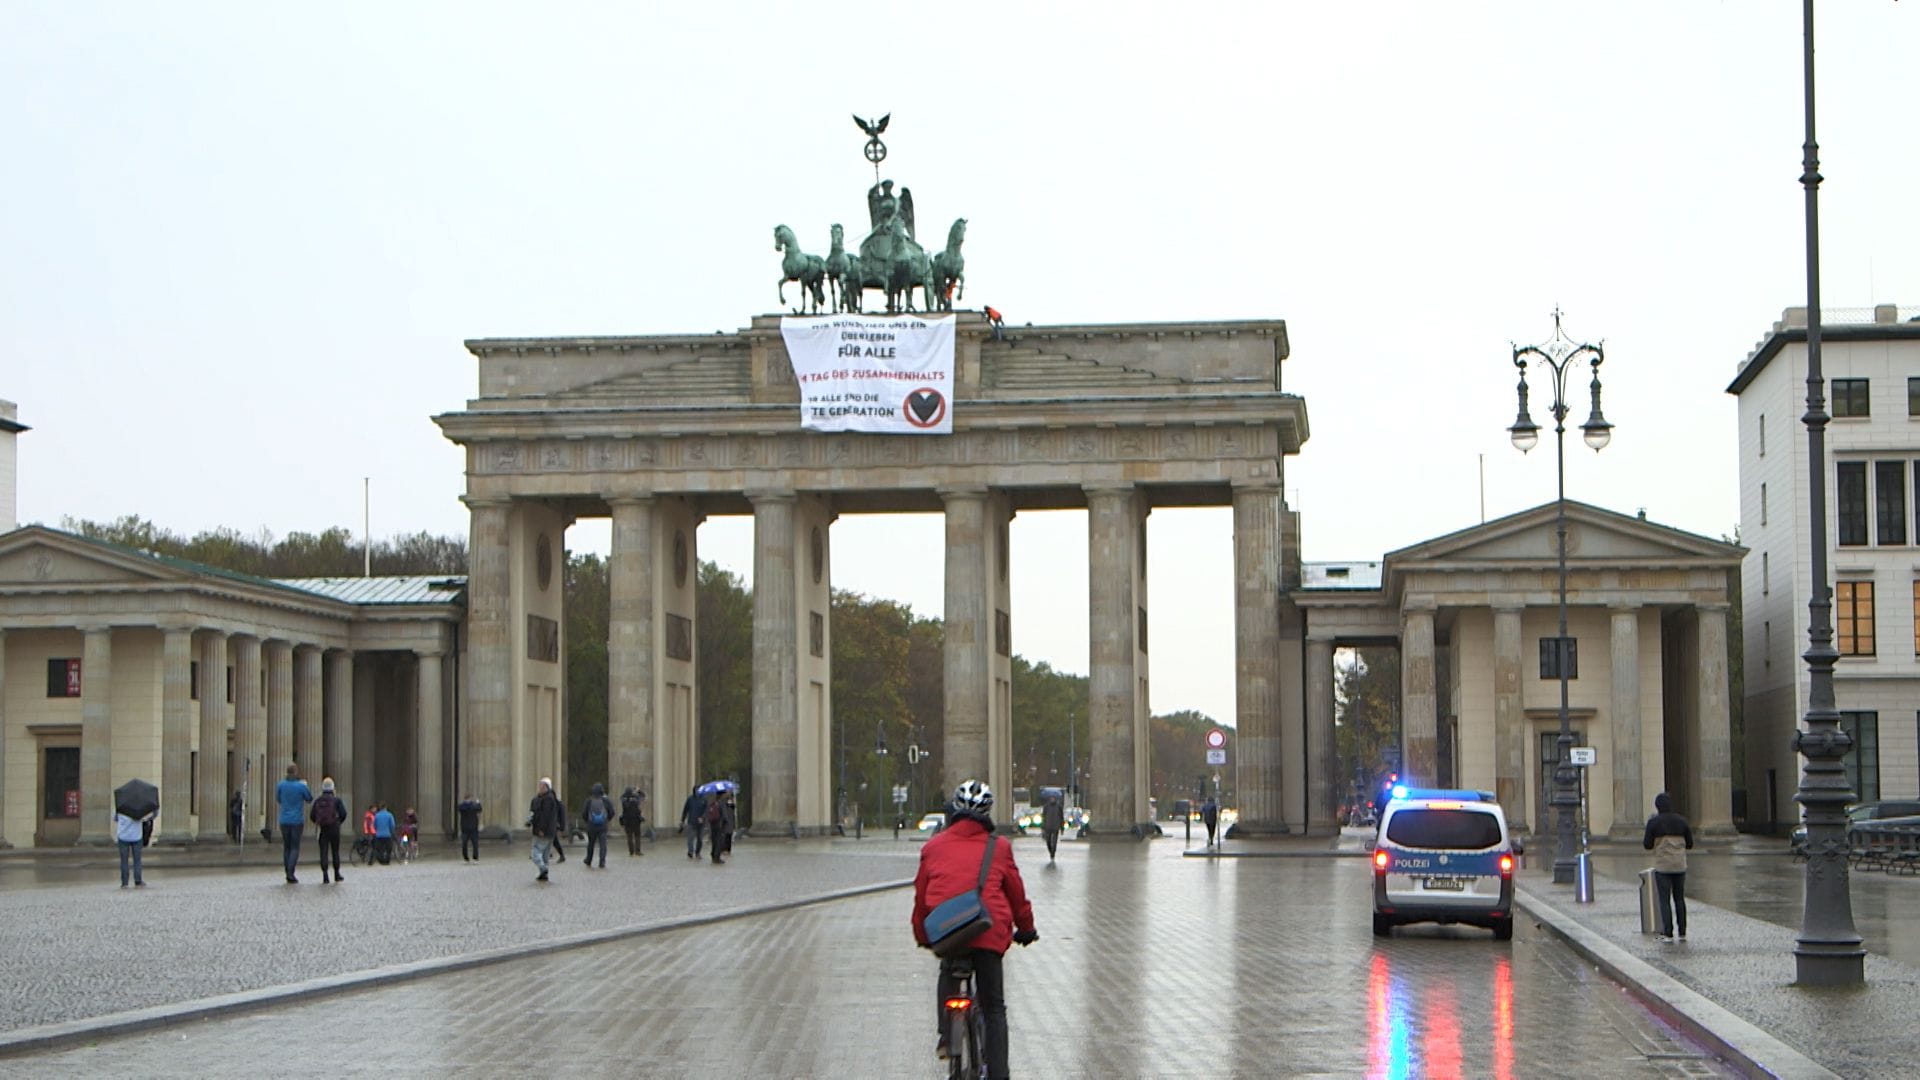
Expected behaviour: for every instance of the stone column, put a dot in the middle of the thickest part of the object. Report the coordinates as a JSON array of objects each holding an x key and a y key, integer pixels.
[
  {"x": 1509, "y": 716},
  {"x": 630, "y": 645},
  {"x": 967, "y": 638},
  {"x": 1419, "y": 712},
  {"x": 1713, "y": 748},
  {"x": 1323, "y": 781},
  {"x": 213, "y": 736},
  {"x": 249, "y": 730},
  {"x": 489, "y": 719},
  {"x": 175, "y": 824},
  {"x": 279, "y": 660},
  {"x": 1113, "y": 530},
  {"x": 96, "y": 736},
  {"x": 366, "y": 778},
  {"x": 776, "y": 718},
  {"x": 337, "y": 740},
  {"x": 429, "y": 728},
  {"x": 4, "y": 845},
  {"x": 309, "y": 715},
  {"x": 1624, "y": 707},
  {"x": 1257, "y": 560}
]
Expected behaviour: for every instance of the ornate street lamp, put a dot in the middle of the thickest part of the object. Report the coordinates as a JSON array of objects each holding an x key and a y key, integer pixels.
[{"x": 1559, "y": 354}]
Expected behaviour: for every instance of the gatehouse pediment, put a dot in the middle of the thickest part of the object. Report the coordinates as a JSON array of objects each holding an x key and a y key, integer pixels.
[
  {"x": 54, "y": 559},
  {"x": 1593, "y": 535}
]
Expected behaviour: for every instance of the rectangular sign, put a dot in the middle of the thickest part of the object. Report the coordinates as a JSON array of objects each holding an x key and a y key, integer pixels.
[
  {"x": 1581, "y": 755},
  {"x": 1216, "y": 757},
  {"x": 887, "y": 375}
]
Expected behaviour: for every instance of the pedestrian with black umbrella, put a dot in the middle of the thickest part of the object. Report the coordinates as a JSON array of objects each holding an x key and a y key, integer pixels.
[{"x": 134, "y": 804}]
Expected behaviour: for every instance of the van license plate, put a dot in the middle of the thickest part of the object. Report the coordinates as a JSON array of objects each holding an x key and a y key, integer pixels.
[{"x": 1444, "y": 884}]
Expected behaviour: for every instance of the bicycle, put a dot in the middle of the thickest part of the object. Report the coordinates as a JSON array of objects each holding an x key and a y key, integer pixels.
[
  {"x": 966, "y": 1024},
  {"x": 363, "y": 850}
]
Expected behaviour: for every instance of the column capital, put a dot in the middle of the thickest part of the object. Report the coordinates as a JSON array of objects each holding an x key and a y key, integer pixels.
[
  {"x": 757, "y": 496},
  {"x": 1419, "y": 605},
  {"x": 241, "y": 637},
  {"x": 1716, "y": 606},
  {"x": 177, "y": 626},
  {"x": 337, "y": 651},
  {"x": 950, "y": 492},
  {"x": 487, "y": 502},
  {"x": 1322, "y": 635},
  {"x": 1105, "y": 492},
  {"x": 619, "y": 499},
  {"x": 308, "y": 646},
  {"x": 1624, "y": 608},
  {"x": 1508, "y": 607},
  {"x": 1256, "y": 485},
  {"x": 92, "y": 628},
  {"x": 436, "y": 654}
]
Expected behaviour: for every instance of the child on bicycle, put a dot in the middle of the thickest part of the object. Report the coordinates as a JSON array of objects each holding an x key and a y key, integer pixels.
[{"x": 949, "y": 866}]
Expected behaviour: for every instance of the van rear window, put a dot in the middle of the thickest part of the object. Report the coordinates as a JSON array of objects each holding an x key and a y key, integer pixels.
[{"x": 1460, "y": 830}]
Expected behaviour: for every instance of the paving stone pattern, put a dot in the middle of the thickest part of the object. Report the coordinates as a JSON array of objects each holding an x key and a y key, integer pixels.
[
  {"x": 1149, "y": 965},
  {"x": 79, "y": 950}
]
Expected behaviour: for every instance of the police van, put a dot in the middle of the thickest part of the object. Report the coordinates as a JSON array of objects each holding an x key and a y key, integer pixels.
[{"x": 1443, "y": 856}]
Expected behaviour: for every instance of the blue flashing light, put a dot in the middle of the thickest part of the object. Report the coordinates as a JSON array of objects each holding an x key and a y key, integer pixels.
[{"x": 1400, "y": 791}]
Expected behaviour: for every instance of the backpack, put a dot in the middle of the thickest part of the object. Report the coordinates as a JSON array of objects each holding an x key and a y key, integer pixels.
[
  {"x": 326, "y": 812},
  {"x": 630, "y": 808},
  {"x": 597, "y": 813}
]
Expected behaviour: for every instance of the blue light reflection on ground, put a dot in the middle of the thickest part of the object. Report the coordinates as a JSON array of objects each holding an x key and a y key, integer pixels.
[{"x": 1397, "y": 1015}]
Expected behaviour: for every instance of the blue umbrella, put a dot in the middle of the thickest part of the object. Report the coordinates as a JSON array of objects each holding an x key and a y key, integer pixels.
[{"x": 714, "y": 786}]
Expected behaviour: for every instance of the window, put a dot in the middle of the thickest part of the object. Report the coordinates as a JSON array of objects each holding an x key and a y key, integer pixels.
[
  {"x": 193, "y": 682},
  {"x": 1863, "y": 761},
  {"x": 1890, "y": 501},
  {"x": 1850, "y": 496},
  {"x": 63, "y": 677},
  {"x": 1549, "y": 657},
  {"x": 1763, "y": 434},
  {"x": 60, "y": 780},
  {"x": 1766, "y": 576},
  {"x": 1853, "y": 617},
  {"x": 1850, "y": 397},
  {"x": 1766, "y": 646},
  {"x": 1913, "y": 397},
  {"x": 1445, "y": 830},
  {"x": 1916, "y": 618},
  {"x": 1763, "y": 504}
]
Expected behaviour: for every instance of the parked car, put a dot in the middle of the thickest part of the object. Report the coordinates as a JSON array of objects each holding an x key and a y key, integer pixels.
[
  {"x": 933, "y": 822},
  {"x": 1857, "y": 813}
]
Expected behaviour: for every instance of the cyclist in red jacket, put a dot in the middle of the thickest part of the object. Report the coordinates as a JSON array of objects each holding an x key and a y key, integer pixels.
[{"x": 950, "y": 866}]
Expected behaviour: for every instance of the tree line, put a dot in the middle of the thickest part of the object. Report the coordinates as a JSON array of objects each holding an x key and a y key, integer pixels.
[{"x": 888, "y": 674}]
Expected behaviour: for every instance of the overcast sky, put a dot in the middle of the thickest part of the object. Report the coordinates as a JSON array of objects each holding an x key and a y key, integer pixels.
[{"x": 241, "y": 244}]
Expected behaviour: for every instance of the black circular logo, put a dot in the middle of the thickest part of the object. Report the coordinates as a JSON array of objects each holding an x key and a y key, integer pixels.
[{"x": 925, "y": 407}]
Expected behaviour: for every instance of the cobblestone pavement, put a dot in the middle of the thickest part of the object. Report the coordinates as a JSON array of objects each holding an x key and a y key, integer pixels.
[
  {"x": 74, "y": 950},
  {"x": 1149, "y": 965}
]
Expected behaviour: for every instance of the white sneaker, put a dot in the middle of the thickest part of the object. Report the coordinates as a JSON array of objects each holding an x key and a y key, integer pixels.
[{"x": 1665, "y": 939}]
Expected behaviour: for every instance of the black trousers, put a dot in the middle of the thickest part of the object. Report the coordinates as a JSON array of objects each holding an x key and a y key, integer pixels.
[
  {"x": 1673, "y": 901},
  {"x": 989, "y": 996},
  {"x": 330, "y": 841},
  {"x": 1053, "y": 841},
  {"x": 633, "y": 838},
  {"x": 470, "y": 842},
  {"x": 597, "y": 838}
]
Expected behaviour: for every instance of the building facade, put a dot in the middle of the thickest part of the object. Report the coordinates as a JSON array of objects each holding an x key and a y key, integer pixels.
[{"x": 1871, "y": 363}]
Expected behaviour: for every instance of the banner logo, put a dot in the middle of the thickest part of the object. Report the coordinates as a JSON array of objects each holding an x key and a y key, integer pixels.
[{"x": 925, "y": 407}]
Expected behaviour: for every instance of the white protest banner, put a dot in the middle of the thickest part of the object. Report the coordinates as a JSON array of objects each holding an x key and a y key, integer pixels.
[{"x": 892, "y": 375}]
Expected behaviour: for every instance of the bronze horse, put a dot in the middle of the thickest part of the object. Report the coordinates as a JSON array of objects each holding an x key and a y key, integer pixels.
[
  {"x": 809, "y": 270},
  {"x": 950, "y": 268}
]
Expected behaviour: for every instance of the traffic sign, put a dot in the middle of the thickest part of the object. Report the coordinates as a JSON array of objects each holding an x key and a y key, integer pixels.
[
  {"x": 899, "y": 794},
  {"x": 1582, "y": 755},
  {"x": 1216, "y": 757},
  {"x": 1216, "y": 739}
]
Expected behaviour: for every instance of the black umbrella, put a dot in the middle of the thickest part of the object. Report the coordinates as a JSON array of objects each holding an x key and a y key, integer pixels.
[{"x": 136, "y": 799}]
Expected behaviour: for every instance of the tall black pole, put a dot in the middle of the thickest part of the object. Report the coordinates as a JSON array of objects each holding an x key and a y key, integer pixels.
[{"x": 1827, "y": 951}]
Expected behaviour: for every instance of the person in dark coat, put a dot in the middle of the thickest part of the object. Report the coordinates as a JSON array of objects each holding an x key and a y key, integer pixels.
[
  {"x": 949, "y": 866},
  {"x": 596, "y": 814},
  {"x": 1053, "y": 818},
  {"x": 720, "y": 822},
  {"x": 1669, "y": 837},
  {"x": 1210, "y": 814},
  {"x": 559, "y": 834},
  {"x": 469, "y": 811},
  {"x": 236, "y": 806},
  {"x": 631, "y": 818},
  {"x": 327, "y": 814},
  {"x": 693, "y": 818},
  {"x": 546, "y": 817}
]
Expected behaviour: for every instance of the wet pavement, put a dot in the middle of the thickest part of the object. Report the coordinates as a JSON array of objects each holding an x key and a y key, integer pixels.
[{"x": 1150, "y": 964}]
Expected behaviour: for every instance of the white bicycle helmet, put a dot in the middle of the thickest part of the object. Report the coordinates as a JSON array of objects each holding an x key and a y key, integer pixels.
[{"x": 973, "y": 795}]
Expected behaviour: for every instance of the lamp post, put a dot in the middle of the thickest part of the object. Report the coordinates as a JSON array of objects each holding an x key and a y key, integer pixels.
[
  {"x": 1828, "y": 950},
  {"x": 1559, "y": 354}
]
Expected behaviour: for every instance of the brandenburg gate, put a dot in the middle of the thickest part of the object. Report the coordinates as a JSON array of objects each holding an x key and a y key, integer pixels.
[{"x": 661, "y": 432}]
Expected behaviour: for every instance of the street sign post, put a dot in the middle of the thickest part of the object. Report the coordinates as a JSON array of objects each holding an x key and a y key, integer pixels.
[{"x": 1216, "y": 757}]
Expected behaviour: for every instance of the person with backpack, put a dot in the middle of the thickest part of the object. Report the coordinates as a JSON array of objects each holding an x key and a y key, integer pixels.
[
  {"x": 631, "y": 818},
  {"x": 544, "y": 819},
  {"x": 383, "y": 833},
  {"x": 597, "y": 813},
  {"x": 327, "y": 814},
  {"x": 1669, "y": 837}
]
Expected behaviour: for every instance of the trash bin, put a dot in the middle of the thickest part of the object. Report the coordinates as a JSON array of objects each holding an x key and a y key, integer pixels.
[
  {"x": 1583, "y": 878},
  {"x": 1649, "y": 903}
]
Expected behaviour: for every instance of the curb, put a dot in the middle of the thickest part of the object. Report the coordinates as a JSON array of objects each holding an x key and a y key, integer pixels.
[
  {"x": 1748, "y": 1048},
  {"x": 75, "y": 1032}
]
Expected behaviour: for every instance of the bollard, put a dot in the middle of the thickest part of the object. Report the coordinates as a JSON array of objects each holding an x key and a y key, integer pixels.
[
  {"x": 1583, "y": 878},
  {"x": 1649, "y": 903}
]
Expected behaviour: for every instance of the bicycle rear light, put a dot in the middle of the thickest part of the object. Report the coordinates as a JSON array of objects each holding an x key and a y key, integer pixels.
[{"x": 959, "y": 1004}]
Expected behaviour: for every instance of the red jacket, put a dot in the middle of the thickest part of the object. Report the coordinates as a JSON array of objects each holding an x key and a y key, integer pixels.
[{"x": 950, "y": 865}]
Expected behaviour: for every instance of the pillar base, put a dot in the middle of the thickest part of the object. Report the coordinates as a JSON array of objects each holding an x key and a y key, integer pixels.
[
  {"x": 1130, "y": 834},
  {"x": 1256, "y": 830}
]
